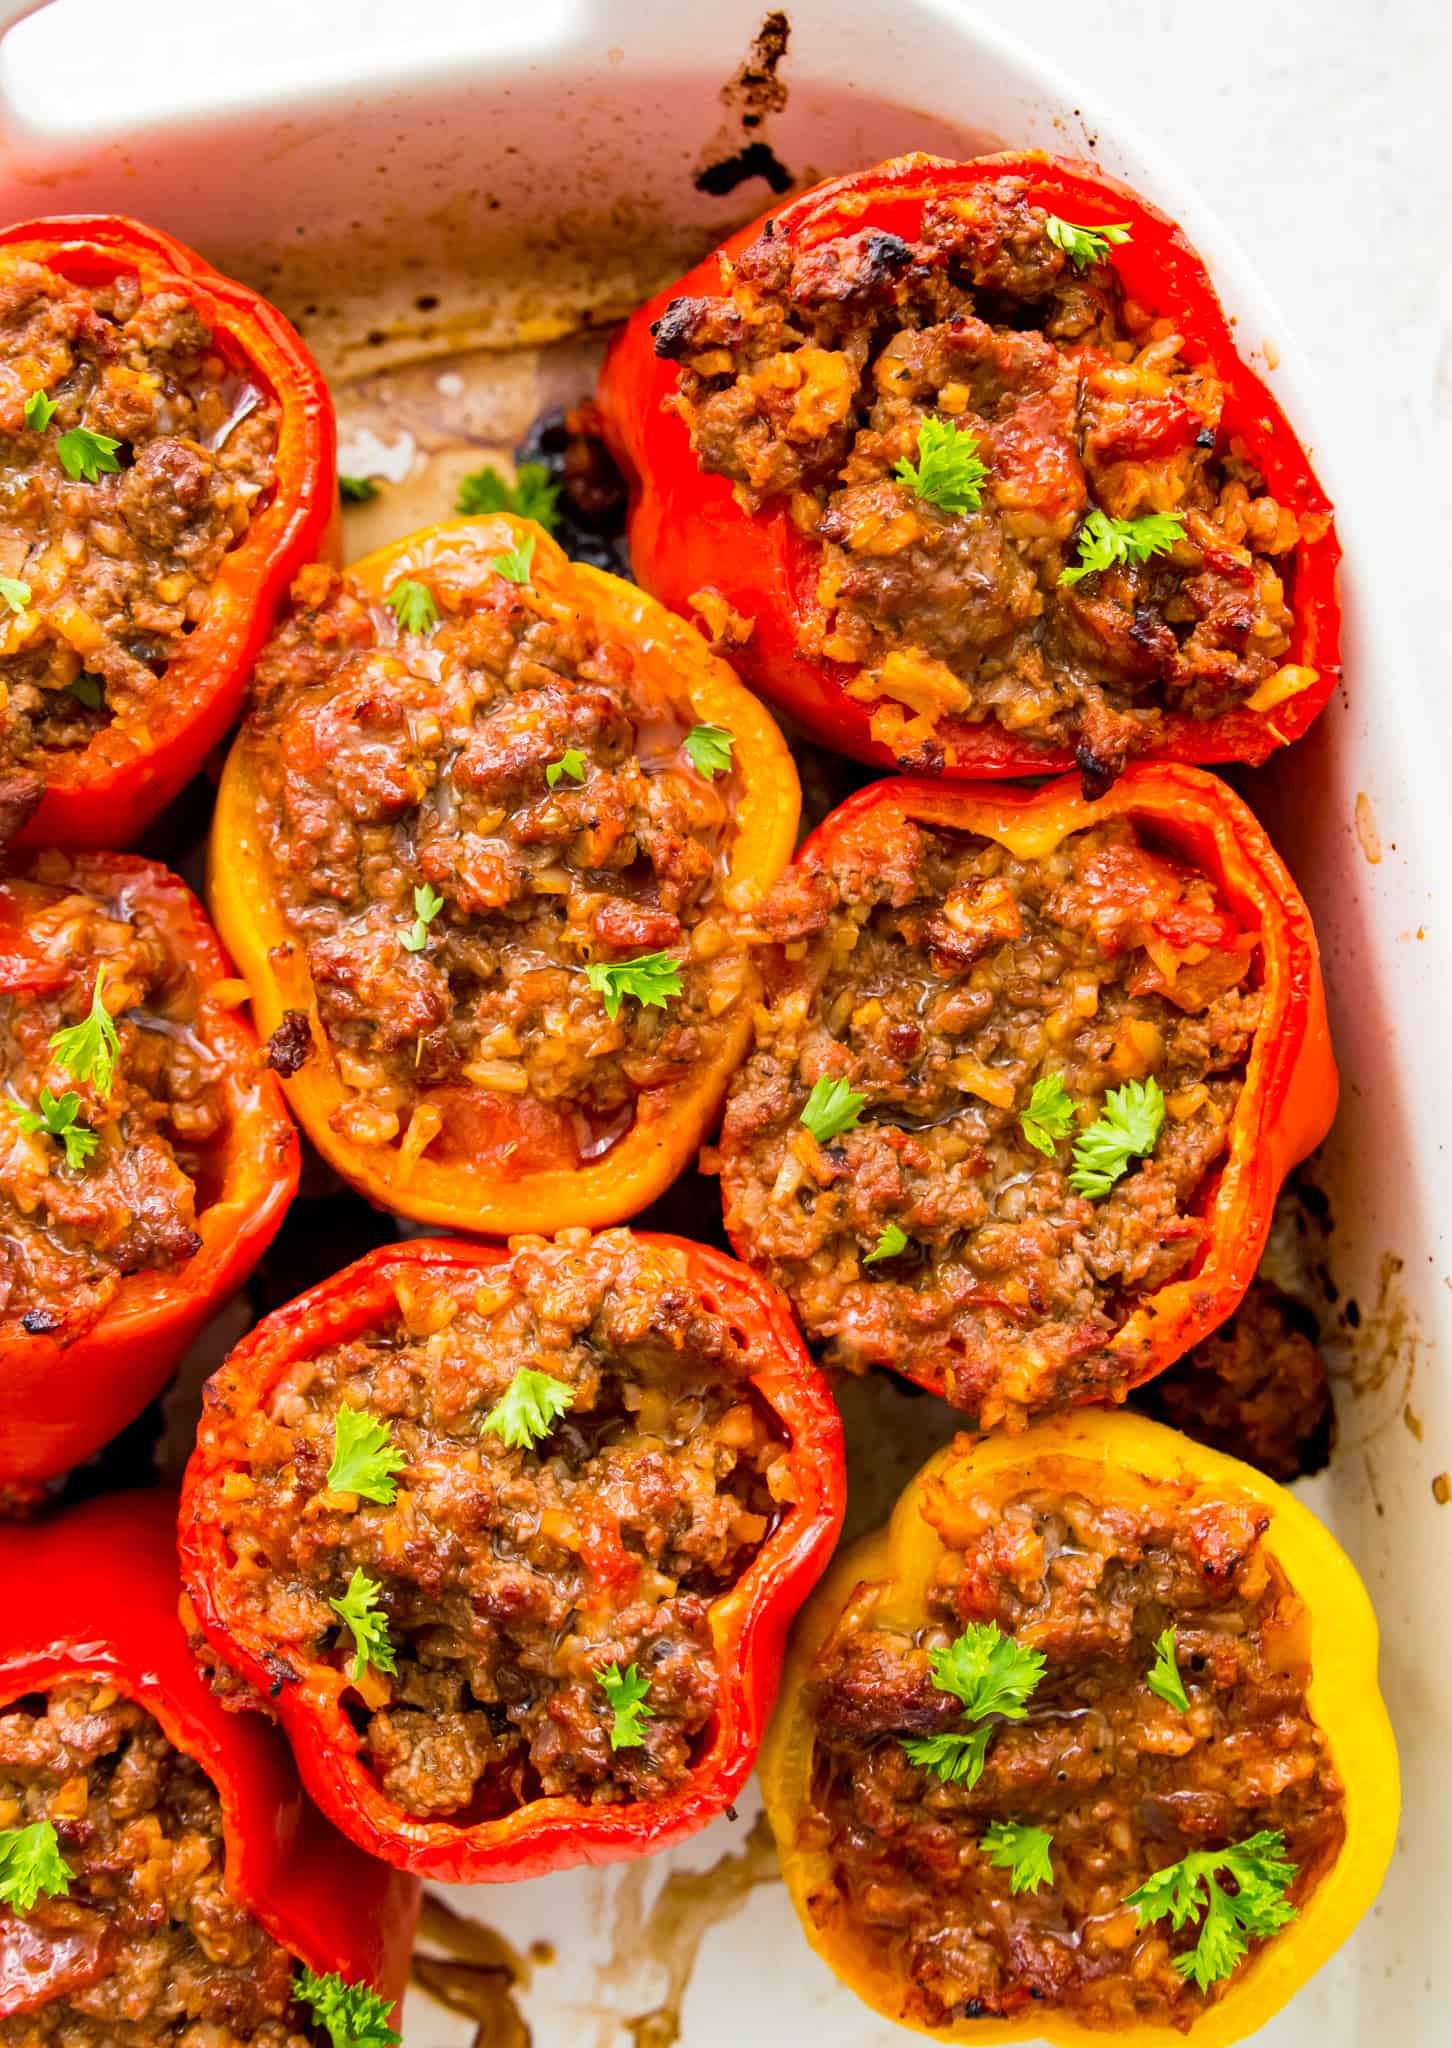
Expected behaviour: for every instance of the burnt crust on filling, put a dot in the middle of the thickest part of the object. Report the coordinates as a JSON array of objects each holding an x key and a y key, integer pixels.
[
  {"x": 939, "y": 979},
  {"x": 806, "y": 382}
]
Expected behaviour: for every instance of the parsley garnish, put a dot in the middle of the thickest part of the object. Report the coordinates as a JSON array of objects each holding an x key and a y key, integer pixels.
[
  {"x": 1164, "y": 1679},
  {"x": 1049, "y": 1116},
  {"x": 1104, "y": 541},
  {"x": 1084, "y": 246},
  {"x": 427, "y": 906},
  {"x": 571, "y": 763},
  {"x": 83, "y": 455},
  {"x": 39, "y": 410},
  {"x": 988, "y": 1673},
  {"x": 356, "y": 490},
  {"x": 892, "y": 1241},
  {"x": 650, "y": 978},
  {"x": 626, "y": 1691},
  {"x": 948, "y": 472},
  {"x": 88, "y": 1050},
  {"x": 59, "y": 1119},
  {"x": 528, "y": 1409},
  {"x": 89, "y": 690},
  {"x": 1125, "y": 1129},
  {"x": 354, "y": 2015},
  {"x": 831, "y": 1108},
  {"x": 31, "y": 1863},
  {"x": 530, "y": 496},
  {"x": 366, "y": 1622},
  {"x": 1256, "y": 1908},
  {"x": 516, "y": 565},
  {"x": 15, "y": 593},
  {"x": 412, "y": 604},
  {"x": 709, "y": 747},
  {"x": 1022, "y": 1851},
  {"x": 364, "y": 1458}
]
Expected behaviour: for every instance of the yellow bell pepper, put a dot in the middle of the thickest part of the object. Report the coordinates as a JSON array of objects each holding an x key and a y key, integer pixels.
[{"x": 885, "y": 1579}]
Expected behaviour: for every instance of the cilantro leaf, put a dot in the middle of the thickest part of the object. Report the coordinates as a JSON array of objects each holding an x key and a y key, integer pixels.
[
  {"x": 356, "y": 490},
  {"x": 1257, "y": 1908},
  {"x": 412, "y": 604},
  {"x": 1126, "y": 1128},
  {"x": 84, "y": 455},
  {"x": 1050, "y": 1114},
  {"x": 988, "y": 1671},
  {"x": 1164, "y": 1678},
  {"x": 427, "y": 905},
  {"x": 365, "y": 1621},
  {"x": 531, "y": 496},
  {"x": 90, "y": 690},
  {"x": 626, "y": 1690},
  {"x": 650, "y": 978},
  {"x": 528, "y": 1408},
  {"x": 1084, "y": 246},
  {"x": 39, "y": 411},
  {"x": 59, "y": 1119},
  {"x": 15, "y": 593},
  {"x": 31, "y": 1863},
  {"x": 709, "y": 747},
  {"x": 831, "y": 1108},
  {"x": 956, "y": 1759},
  {"x": 1022, "y": 1851},
  {"x": 892, "y": 1241},
  {"x": 352, "y": 2015},
  {"x": 1104, "y": 541},
  {"x": 948, "y": 472},
  {"x": 571, "y": 763},
  {"x": 364, "y": 1457},
  {"x": 515, "y": 567},
  {"x": 88, "y": 1050}
]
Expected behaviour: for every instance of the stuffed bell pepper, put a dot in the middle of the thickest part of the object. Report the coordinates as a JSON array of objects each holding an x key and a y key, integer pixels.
[
  {"x": 146, "y": 1156},
  {"x": 482, "y": 852},
  {"x": 510, "y": 1541},
  {"x": 1085, "y": 1744},
  {"x": 168, "y": 463},
  {"x": 969, "y": 456},
  {"x": 163, "y": 1879},
  {"x": 1028, "y": 1075}
]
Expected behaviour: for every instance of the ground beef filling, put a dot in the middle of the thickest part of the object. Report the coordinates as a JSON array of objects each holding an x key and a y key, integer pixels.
[
  {"x": 148, "y": 1947},
  {"x": 940, "y": 980},
  {"x": 1125, "y": 1783},
  {"x": 1257, "y": 1388},
  {"x": 809, "y": 383},
  {"x": 510, "y": 1577},
  {"x": 390, "y": 763},
  {"x": 69, "y": 1235},
  {"x": 119, "y": 568}
]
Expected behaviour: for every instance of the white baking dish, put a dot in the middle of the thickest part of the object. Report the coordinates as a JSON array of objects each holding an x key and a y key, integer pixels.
[{"x": 536, "y": 162}]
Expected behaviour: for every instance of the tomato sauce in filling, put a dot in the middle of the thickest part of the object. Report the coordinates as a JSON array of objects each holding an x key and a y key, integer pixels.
[
  {"x": 147, "y": 1948},
  {"x": 510, "y": 1575},
  {"x": 73, "y": 1227},
  {"x": 940, "y": 982},
  {"x": 808, "y": 384},
  {"x": 118, "y": 562},
  {"x": 521, "y": 767},
  {"x": 1124, "y": 1782}
]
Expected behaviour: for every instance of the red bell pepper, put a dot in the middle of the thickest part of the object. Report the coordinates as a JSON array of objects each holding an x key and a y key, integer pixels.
[
  {"x": 106, "y": 793},
  {"x": 94, "y": 1595},
  {"x": 689, "y": 534},
  {"x": 747, "y": 1624},
  {"x": 59, "y": 1400},
  {"x": 1285, "y": 1105}
]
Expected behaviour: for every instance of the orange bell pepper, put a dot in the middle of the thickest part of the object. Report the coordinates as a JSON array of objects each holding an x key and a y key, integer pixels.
[
  {"x": 502, "y": 1188},
  {"x": 1111, "y": 1458}
]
